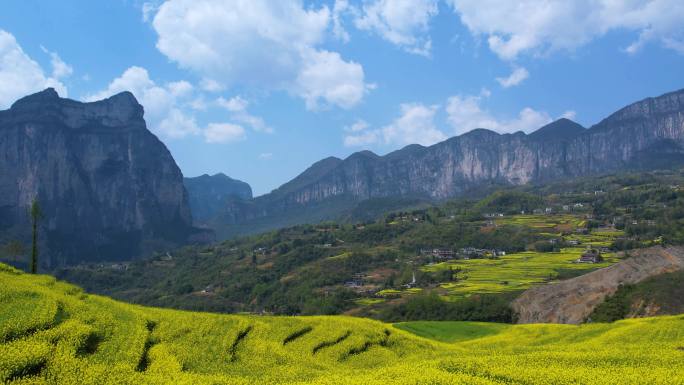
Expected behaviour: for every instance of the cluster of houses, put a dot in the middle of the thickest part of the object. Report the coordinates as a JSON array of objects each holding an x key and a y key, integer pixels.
[{"x": 464, "y": 253}]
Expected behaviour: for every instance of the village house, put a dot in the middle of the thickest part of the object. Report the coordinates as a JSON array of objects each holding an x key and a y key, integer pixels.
[
  {"x": 356, "y": 281},
  {"x": 439, "y": 253},
  {"x": 591, "y": 256}
]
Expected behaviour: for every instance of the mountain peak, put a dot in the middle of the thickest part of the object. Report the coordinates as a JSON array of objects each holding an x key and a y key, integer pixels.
[
  {"x": 120, "y": 110},
  {"x": 561, "y": 129},
  {"x": 46, "y": 95}
]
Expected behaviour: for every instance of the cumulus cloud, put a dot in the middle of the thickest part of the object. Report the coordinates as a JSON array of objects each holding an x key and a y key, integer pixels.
[
  {"x": 20, "y": 75},
  {"x": 416, "y": 124},
  {"x": 223, "y": 133},
  {"x": 259, "y": 43},
  {"x": 403, "y": 23},
  {"x": 326, "y": 80},
  {"x": 466, "y": 113},
  {"x": 516, "y": 77},
  {"x": 540, "y": 26},
  {"x": 237, "y": 106}
]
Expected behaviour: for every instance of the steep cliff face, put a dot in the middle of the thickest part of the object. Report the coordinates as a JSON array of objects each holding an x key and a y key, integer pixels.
[
  {"x": 209, "y": 194},
  {"x": 109, "y": 189},
  {"x": 632, "y": 137}
]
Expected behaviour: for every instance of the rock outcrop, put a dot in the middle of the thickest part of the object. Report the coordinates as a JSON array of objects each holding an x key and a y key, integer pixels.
[
  {"x": 646, "y": 134},
  {"x": 572, "y": 301},
  {"x": 108, "y": 188}
]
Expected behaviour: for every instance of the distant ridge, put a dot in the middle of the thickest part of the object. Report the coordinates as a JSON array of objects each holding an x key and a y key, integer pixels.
[{"x": 631, "y": 138}]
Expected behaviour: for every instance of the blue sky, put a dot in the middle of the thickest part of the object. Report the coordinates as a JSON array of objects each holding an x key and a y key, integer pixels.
[{"x": 261, "y": 89}]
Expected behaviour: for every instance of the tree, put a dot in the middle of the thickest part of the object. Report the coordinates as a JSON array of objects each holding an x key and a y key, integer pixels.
[{"x": 36, "y": 214}]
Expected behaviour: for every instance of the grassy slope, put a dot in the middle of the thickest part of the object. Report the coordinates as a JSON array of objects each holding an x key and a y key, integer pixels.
[{"x": 52, "y": 332}]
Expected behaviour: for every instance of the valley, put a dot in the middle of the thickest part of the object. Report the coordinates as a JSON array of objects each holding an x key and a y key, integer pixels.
[
  {"x": 465, "y": 259},
  {"x": 338, "y": 192}
]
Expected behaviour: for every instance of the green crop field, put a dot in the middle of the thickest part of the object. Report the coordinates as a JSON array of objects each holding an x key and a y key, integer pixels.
[
  {"x": 512, "y": 272},
  {"x": 54, "y": 333}
]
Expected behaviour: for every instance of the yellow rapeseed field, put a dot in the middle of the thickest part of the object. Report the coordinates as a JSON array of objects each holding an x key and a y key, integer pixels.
[{"x": 51, "y": 332}]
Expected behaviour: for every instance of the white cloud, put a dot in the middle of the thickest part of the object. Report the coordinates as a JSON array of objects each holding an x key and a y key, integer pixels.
[
  {"x": 148, "y": 10},
  {"x": 541, "y": 26},
  {"x": 326, "y": 79},
  {"x": 401, "y": 22},
  {"x": 416, "y": 124},
  {"x": 180, "y": 88},
  {"x": 266, "y": 155},
  {"x": 465, "y": 113},
  {"x": 178, "y": 125},
  {"x": 357, "y": 126},
  {"x": 223, "y": 133},
  {"x": 570, "y": 114},
  {"x": 20, "y": 75},
  {"x": 516, "y": 77},
  {"x": 259, "y": 43},
  {"x": 362, "y": 139},
  {"x": 340, "y": 8},
  {"x": 237, "y": 106},
  {"x": 60, "y": 69},
  {"x": 211, "y": 85}
]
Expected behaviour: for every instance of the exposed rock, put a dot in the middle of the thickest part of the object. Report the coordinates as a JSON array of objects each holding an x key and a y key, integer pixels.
[
  {"x": 109, "y": 189},
  {"x": 635, "y": 136},
  {"x": 572, "y": 301}
]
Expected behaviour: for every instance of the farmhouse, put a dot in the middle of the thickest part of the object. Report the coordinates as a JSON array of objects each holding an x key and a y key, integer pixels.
[
  {"x": 356, "y": 281},
  {"x": 439, "y": 253},
  {"x": 591, "y": 256}
]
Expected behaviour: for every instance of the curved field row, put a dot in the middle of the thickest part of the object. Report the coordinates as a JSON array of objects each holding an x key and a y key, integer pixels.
[{"x": 60, "y": 335}]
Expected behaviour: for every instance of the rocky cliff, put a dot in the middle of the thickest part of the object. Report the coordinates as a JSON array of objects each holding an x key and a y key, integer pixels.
[
  {"x": 209, "y": 194},
  {"x": 646, "y": 134},
  {"x": 572, "y": 301},
  {"x": 109, "y": 189}
]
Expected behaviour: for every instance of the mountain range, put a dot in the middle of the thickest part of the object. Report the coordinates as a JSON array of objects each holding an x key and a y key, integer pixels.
[
  {"x": 648, "y": 134},
  {"x": 111, "y": 190}
]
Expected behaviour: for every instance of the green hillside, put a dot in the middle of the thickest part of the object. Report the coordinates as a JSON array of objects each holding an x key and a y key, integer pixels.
[
  {"x": 54, "y": 333},
  {"x": 367, "y": 268}
]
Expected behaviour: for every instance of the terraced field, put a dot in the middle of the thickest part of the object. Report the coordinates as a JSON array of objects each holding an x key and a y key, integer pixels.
[
  {"x": 520, "y": 271},
  {"x": 53, "y": 333},
  {"x": 512, "y": 272}
]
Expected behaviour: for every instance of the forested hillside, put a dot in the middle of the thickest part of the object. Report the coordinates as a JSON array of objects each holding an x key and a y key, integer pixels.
[{"x": 461, "y": 260}]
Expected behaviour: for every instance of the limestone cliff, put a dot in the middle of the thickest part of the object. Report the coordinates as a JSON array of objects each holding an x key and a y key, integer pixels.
[
  {"x": 109, "y": 189},
  {"x": 647, "y": 134}
]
